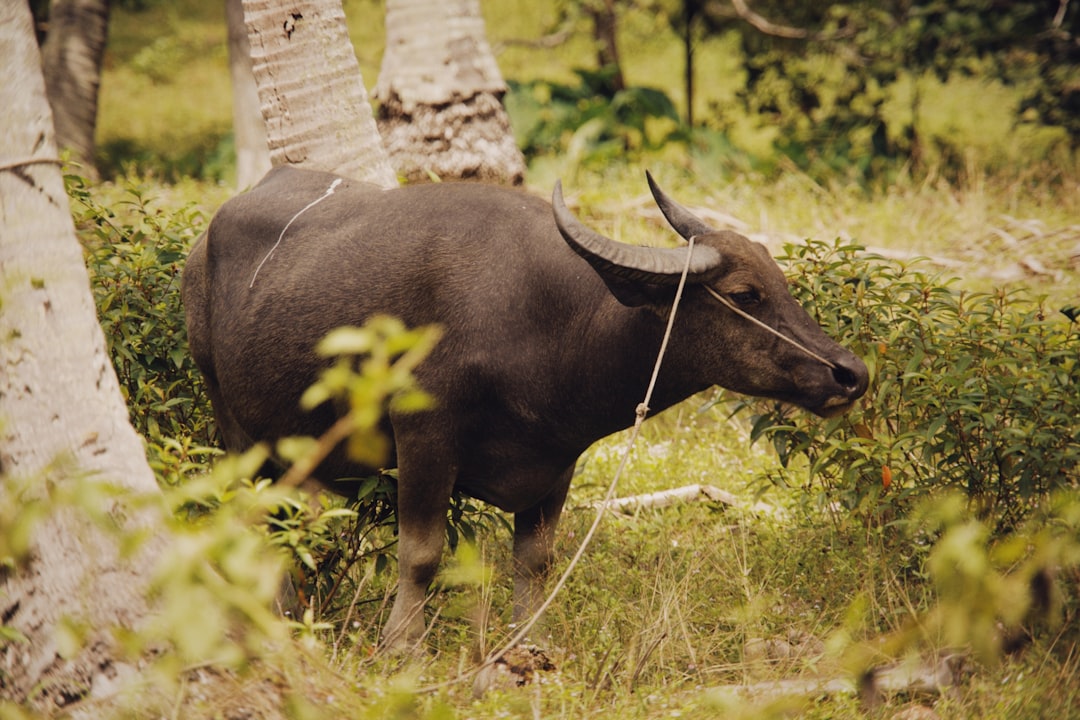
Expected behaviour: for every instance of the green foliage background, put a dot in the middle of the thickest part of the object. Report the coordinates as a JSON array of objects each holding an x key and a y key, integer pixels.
[
  {"x": 875, "y": 86},
  {"x": 855, "y": 91}
]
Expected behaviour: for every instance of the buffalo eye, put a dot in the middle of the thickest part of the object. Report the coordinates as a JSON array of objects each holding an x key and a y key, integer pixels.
[{"x": 745, "y": 298}]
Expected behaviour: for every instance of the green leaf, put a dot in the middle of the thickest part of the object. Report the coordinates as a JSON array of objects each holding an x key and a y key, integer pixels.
[
  {"x": 293, "y": 449},
  {"x": 347, "y": 341}
]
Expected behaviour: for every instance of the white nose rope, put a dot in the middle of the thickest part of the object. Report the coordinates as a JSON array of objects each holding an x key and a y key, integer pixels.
[{"x": 739, "y": 311}]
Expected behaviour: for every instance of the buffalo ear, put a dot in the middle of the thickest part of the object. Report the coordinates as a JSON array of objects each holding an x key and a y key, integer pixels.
[{"x": 633, "y": 293}]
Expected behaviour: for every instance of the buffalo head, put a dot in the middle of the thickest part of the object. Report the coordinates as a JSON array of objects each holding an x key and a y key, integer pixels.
[{"x": 741, "y": 329}]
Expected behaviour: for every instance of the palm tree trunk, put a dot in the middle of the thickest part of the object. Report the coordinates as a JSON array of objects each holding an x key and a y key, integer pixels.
[
  {"x": 62, "y": 417},
  {"x": 71, "y": 60},
  {"x": 249, "y": 131},
  {"x": 440, "y": 95},
  {"x": 605, "y": 24},
  {"x": 314, "y": 102}
]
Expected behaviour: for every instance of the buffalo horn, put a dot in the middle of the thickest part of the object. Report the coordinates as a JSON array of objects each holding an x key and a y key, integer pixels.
[
  {"x": 684, "y": 221},
  {"x": 662, "y": 266}
]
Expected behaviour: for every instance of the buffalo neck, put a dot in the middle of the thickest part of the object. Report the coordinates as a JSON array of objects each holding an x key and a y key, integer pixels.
[{"x": 608, "y": 367}]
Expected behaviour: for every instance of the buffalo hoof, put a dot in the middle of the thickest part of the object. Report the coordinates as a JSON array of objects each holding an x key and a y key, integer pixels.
[{"x": 518, "y": 666}]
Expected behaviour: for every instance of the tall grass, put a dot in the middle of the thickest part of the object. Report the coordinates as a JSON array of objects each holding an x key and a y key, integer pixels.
[{"x": 991, "y": 230}]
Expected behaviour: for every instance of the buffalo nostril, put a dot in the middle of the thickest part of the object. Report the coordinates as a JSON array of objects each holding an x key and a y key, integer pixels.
[{"x": 848, "y": 379}]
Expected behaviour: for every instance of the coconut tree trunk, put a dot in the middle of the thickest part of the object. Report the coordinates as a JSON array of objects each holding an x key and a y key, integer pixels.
[
  {"x": 63, "y": 422},
  {"x": 605, "y": 25},
  {"x": 440, "y": 95},
  {"x": 249, "y": 132},
  {"x": 71, "y": 60},
  {"x": 313, "y": 99}
]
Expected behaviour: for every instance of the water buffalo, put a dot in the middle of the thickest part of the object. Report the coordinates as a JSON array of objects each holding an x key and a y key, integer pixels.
[{"x": 550, "y": 331}]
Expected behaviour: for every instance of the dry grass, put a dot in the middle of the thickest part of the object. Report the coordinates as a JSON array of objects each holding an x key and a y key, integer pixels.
[{"x": 988, "y": 230}]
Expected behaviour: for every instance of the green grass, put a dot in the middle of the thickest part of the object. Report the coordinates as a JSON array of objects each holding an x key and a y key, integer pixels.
[{"x": 165, "y": 97}]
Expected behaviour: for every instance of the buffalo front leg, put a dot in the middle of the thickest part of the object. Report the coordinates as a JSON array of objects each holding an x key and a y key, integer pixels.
[
  {"x": 423, "y": 497},
  {"x": 534, "y": 543}
]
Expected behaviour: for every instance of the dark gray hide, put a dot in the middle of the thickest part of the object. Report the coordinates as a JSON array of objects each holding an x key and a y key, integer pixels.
[{"x": 550, "y": 334}]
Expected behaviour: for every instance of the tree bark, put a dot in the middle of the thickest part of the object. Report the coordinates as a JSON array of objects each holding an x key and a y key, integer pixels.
[
  {"x": 63, "y": 423},
  {"x": 249, "y": 131},
  {"x": 313, "y": 99},
  {"x": 605, "y": 24},
  {"x": 71, "y": 61},
  {"x": 691, "y": 13},
  {"x": 440, "y": 95}
]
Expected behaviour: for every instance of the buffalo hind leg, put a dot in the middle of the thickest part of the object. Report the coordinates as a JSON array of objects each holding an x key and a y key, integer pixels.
[
  {"x": 423, "y": 497},
  {"x": 534, "y": 542}
]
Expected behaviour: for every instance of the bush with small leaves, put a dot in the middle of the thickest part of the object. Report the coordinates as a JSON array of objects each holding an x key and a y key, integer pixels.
[
  {"x": 371, "y": 372},
  {"x": 135, "y": 252},
  {"x": 977, "y": 392}
]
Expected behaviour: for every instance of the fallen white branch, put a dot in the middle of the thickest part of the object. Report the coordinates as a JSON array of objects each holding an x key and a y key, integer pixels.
[
  {"x": 681, "y": 495},
  {"x": 919, "y": 676}
]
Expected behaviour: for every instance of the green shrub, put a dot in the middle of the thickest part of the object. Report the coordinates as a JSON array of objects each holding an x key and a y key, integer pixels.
[
  {"x": 590, "y": 121},
  {"x": 134, "y": 253},
  {"x": 972, "y": 392}
]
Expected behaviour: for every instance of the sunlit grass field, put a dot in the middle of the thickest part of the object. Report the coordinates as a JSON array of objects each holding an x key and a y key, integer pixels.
[{"x": 661, "y": 613}]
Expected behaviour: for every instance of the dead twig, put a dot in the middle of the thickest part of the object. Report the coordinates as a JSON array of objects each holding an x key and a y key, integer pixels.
[
  {"x": 744, "y": 12},
  {"x": 761, "y": 24},
  {"x": 544, "y": 42}
]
